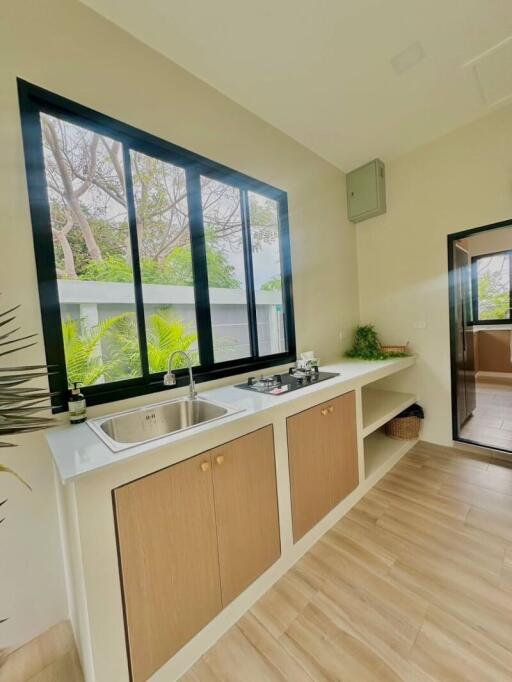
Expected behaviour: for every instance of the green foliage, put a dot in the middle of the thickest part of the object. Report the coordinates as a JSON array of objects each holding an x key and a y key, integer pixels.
[
  {"x": 116, "y": 339},
  {"x": 109, "y": 269},
  {"x": 165, "y": 334},
  {"x": 82, "y": 348},
  {"x": 220, "y": 273},
  {"x": 273, "y": 284},
  {"x": 367, "y": 345},
  {"x": 175, "y": 269},
  {"x": 493, "y": 300}
]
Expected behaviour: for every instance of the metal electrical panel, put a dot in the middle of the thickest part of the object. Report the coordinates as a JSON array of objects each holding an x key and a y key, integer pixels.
[{"x": 366, "y": 191}]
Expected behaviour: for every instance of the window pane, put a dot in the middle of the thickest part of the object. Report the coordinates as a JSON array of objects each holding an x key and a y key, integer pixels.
[
  {"x": 163, "y": 230},
  {"x": 494, "y": 287},
  {"x": 226, "y": 270},
  {"x": 86, "y": 193},
  {"x": 266, "y": 257}
]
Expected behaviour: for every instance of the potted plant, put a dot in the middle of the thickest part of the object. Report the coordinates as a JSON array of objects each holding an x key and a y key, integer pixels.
[{"x": 367, "y": 346}]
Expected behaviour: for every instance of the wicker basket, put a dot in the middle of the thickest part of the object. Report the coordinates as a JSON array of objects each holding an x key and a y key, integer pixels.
[
  {"x": 403, "y": 428},
  {"x": 395, "y": 349}
]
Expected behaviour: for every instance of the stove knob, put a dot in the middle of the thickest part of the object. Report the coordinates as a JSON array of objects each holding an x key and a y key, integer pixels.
[{"x": 250, "y": 381}]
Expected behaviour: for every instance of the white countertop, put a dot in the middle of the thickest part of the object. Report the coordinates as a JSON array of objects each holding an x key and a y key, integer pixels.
[
  {"x": 78, "y": 451},
  {"x": 492, "y": 327}
]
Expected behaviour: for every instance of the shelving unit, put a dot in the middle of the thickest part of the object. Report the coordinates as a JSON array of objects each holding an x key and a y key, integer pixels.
[
  {"x": 380, "y": 406},
  {"x": 381, "y": 453}
]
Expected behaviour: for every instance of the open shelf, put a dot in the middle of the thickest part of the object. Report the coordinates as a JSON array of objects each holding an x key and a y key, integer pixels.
[
  {"x": 381, "y": 406},
  {"x": 382, "y": 452}
]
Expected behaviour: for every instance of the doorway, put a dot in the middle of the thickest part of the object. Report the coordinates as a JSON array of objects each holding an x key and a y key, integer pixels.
[{"x": 480, "y": 288}]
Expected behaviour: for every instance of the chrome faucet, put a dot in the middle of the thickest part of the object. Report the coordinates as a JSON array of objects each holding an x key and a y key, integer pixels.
[{"x": 170, "y": 377}]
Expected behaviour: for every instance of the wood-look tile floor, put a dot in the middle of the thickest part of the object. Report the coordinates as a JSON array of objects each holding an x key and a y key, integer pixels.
[
  {"x": 413, "y": 584},
  {"x": 51, "y": 657},
  {"x": 491, "y": 423}
]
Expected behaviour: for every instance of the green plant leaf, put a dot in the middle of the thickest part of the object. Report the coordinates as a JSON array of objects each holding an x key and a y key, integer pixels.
[{"x": 367, "y": 346}]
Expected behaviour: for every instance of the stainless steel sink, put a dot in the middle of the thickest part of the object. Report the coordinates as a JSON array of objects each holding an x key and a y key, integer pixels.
[{"x": 126, "y": 429}]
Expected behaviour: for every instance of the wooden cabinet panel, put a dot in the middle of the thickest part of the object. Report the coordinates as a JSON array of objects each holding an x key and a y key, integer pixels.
[
  {"x": 310, "y": 469},
  {"x": 343, "y": 446},
  {"x": 169, "y": 560},
  {"x": 322, "y": 454},
  {"x": 244, "y": 479}
]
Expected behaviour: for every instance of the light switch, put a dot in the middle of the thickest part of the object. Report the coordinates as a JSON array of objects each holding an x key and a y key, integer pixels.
[{"x": 419, "y": 324}]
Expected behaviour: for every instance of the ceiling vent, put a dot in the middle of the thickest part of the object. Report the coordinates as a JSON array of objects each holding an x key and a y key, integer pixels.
[{"x": 492, "y": 71}]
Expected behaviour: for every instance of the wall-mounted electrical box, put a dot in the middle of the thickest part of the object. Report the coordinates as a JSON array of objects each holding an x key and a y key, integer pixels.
[{"x": 366, "y": 191}]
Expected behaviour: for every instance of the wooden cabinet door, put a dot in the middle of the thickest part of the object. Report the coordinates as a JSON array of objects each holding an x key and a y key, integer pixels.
[
  {"x": 341, "y": 427},
  {"x": 322, "y": 456},
  {"x": 167, "y": 547},
  {"x": 244, "y": 480}
]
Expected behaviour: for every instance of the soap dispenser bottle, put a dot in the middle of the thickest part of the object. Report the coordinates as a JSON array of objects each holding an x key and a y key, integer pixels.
[{"x": 76, "y": 405}]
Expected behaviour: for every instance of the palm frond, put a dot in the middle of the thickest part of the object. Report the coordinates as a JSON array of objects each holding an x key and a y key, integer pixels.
[
  {"x": 82, "y": 348},
  {"x": 20, "y": 403},
  {"x": 20, "y": 338},
  {"x": 9, "y": 333},
  {"x": 4, "y": 322},
  {"x": 25, "y": 368},
  {"x": 16, "y": 350},
  {"x": 11, "y": 310},
  {"x": 7, "y": 470}
]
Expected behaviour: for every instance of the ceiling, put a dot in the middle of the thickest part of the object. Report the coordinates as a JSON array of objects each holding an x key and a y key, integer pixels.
[{"x": 349, "y": 79}]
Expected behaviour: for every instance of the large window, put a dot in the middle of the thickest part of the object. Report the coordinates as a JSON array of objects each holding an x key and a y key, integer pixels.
[
  {"x": 492, "y": 289},
  {"x": 142, "y": 249}
]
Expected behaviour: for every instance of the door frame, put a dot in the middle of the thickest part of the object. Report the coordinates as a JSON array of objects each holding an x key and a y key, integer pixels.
[{"x": 452, "y": 238}]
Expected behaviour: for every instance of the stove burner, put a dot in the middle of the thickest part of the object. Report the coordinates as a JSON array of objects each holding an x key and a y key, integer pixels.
[
  {"x": 277, "y": 384},
  {"x": 263, "y": 383}
]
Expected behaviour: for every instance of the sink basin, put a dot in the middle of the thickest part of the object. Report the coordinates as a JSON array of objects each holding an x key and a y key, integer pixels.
[{"x": 126, "y": 429}]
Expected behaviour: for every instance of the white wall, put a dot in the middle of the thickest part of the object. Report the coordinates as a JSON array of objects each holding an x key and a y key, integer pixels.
[
  {"x": 62, "y": 46},
  {"x": 460, "y": 181}
]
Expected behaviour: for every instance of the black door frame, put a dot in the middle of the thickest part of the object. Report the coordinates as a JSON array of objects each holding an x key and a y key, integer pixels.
[{"x": 452, "y": 238}]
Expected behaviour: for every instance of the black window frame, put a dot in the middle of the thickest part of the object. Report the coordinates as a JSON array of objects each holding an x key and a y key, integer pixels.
[
  {"x": 474, "y": 288},
  {"x": 33, "y": 101}
]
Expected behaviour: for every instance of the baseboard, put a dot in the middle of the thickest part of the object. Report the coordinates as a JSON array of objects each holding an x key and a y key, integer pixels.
[
  {"x": 477, "y": 449},
  {"x": 494, "y": 375}
]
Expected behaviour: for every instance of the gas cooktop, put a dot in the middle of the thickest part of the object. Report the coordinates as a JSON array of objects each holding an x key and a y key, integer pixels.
[{"x": 277, "y": 384}]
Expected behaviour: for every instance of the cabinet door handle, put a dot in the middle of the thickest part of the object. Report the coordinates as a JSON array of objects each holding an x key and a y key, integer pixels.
[
  {"x": 205, "y": 466},
  {"x": 219, "y": 459},
  {"x": 323, "y": 411},
  {"x": 331, "y": 408}
]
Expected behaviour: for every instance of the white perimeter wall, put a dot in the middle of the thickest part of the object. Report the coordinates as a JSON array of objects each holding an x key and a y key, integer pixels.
[
  {"x": 460, "y": 181},
  {"x": 65, "y": 47}
]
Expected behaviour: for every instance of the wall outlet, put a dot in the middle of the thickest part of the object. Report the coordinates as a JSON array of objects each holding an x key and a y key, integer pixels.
[{"x": 419, "y": 324}]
